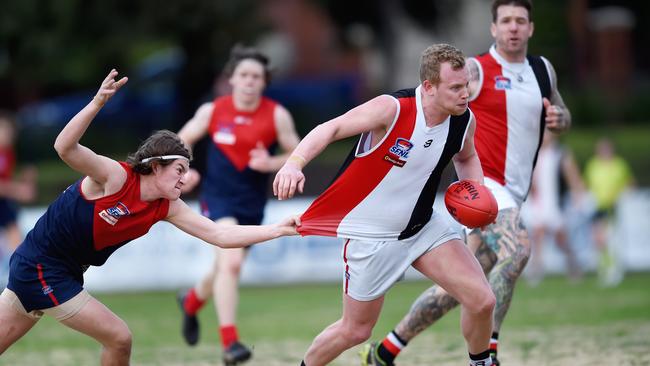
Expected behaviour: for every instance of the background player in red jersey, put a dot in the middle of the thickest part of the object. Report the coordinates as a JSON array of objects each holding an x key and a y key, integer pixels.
[
  {"x": 382, "y": 201},
  {"x": 244, "y": 128},
  {"x": 514, "y": 97},
  {"x": 20, "y": 189},
  {"x": 114, "y": 203}
]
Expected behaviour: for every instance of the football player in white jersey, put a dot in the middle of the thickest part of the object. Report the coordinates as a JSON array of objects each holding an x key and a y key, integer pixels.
[
  {"x": 398, "y": 163},
  {"x": 505, "y": 83}
]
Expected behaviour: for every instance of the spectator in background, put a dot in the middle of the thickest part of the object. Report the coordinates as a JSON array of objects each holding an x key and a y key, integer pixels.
[
  {"x": 12, "y": 191},
  {"x": 607, "y": 176},
  {"x": 555, "y": 172},
  {"x": 244, "y": 128}
]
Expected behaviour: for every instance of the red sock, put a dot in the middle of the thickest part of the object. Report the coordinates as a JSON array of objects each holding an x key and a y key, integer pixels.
[
  {"x": 228, "y": 335},
  {"x": 192, "y": 303}
]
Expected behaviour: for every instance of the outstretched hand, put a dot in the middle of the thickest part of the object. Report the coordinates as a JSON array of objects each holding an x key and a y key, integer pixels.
[
  {"x": 109, "y": 87},
  {"x": 288, "y": 179}
]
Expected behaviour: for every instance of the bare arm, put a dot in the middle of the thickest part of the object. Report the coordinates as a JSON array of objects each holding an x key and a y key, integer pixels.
[
  {"x": 466, "y": 161},
  {"x": 287, "y": 139},
  {"x": 558, "y": 116},
  {"x": 475, "y": 78},
  {"x": 197, "y": 126},
  {"x": 226, "y": 236},
  {"x": 106, "y": 174},
  {"x": 375, "y": 115},
  {"x": 572, "y": 175}
]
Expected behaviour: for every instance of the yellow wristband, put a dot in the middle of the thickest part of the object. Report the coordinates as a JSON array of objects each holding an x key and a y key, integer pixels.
[{"x": 298, "y": 160}]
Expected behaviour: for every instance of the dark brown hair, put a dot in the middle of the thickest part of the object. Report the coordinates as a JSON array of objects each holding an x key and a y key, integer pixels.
[
  {"x": 528, "y": 4},
  {"x": 240, "y": 53},
  {"x": 436, "y": 55},
  {"x": 160, "y": 143}
]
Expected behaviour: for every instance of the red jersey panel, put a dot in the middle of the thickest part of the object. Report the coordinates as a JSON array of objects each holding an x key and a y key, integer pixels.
[{"x": 236, "y": 132}]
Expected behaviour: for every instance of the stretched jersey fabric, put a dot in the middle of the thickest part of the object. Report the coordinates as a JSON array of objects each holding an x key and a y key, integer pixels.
[
  {"x": 234, "y": 134},
  {"x": 510, "y": 119},
  {"x": 77, "y": 232},
  {"x": 386, "y": 192}
]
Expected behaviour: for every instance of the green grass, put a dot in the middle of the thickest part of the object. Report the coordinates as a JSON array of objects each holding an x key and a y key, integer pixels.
[{"x": 573, "y": 323}]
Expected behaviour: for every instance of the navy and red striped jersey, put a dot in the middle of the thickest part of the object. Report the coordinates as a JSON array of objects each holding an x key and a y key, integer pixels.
[
  {"x": 78, "y": 232},
  {"x": 234, "y": 134}
]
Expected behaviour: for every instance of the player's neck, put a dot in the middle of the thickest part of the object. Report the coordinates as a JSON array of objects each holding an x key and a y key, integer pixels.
[
  {"x": 246, "y": 103},
  {"x": 513, "y": 57},
  {"x": 433, "y": 116}
]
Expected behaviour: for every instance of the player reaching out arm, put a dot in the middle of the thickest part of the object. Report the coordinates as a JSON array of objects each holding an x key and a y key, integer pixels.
[{"x": 113, "y": 204}]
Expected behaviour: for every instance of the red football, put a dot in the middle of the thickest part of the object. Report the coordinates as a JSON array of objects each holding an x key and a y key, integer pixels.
[{"x": 471, "y": 203}]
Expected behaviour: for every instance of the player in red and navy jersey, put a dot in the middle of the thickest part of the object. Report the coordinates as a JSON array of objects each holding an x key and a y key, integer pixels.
[
  {"x": 113, "y": 204},
  {"x": 13, "y": 189},
  {"x": 515, "y": 98},
  {"x": 382, "y": 202},
  {"x": 244, "y": 129}
]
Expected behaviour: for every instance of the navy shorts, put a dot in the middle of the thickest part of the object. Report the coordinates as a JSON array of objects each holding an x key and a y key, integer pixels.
[
  {"x": 246, "y": 214},
  {"x": 41, "y": 284},
  {"x": 8, "y": 212}
]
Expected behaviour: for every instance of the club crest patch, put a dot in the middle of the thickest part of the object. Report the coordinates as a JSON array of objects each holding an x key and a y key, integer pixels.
[
  {"x": 399, "y": 152},
  {"x": 112, "y": 215},
  {"x": 502, "y": 83}
]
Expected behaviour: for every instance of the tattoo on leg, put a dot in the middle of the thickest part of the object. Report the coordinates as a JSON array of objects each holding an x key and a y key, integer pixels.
[
  {"x": 430, "y": 306},
  {"x": 510, "y": 239}
]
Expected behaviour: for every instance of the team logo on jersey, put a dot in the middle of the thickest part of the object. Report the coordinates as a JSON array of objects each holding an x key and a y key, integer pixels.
[
  {"x": 502, "y": 83},
  {"x": 112, "y": 215},
  {"x": 243, "y": 120},
  {"x": 47, "y": 289},
  {"x": 399, "y": 152}
]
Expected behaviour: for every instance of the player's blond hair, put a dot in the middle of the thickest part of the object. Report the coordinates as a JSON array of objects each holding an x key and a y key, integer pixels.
[{"x": 436, "y": 55}]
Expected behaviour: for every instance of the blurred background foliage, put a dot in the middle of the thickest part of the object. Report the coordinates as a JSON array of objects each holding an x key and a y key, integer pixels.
[{"x": 329, "y": 56}]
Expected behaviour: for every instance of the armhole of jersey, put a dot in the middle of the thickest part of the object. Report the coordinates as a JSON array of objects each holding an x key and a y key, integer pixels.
[
  {"x": 471, "y": 118},
  {"x": 367, "y": 136},
  {"x": 548, "y": 72},
  {"x": 127, "y": 170},
  {"x": 480, "y": 78}
]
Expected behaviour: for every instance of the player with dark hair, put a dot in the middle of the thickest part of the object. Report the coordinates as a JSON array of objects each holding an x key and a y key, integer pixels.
[
  {"x": 113, "y": 204},
  {"x": 514, "y": 97},
  {"x": 382, "y": 203},
  {"x": 244, "y": 128}
]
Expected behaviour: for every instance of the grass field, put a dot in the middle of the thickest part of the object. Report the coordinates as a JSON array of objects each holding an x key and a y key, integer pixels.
[{"x": 556, "y": 323}]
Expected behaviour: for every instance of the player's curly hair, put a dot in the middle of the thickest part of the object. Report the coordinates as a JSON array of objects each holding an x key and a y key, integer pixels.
[
  {"x": 160, "y": 143},
  {"x": 240, "y": 53},
  {"x": 434, "y": 56}
]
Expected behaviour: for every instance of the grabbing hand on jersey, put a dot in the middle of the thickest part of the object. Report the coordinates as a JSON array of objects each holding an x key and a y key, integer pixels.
[
  {"x": 288, "y": 179},
  {"x": 288, "y": 226},
  {"x": 555, "y": 120}
]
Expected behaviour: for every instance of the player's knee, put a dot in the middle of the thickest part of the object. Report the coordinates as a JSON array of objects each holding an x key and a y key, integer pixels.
[
  {"x": 231, "y": 267},
  {"x": 358, "y": 334},
  {"x": 121, "y": 340},
  {"x": 482, "y": 304}
]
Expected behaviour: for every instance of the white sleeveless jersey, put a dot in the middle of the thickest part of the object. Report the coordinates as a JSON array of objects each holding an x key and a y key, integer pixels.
[
  {"x": 386, "y": 192},
  {"x": 509, "y": 127}
]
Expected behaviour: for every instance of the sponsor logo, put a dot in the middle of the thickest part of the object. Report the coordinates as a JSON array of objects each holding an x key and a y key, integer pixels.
[
  {"x": 400, "y": 150},
  {"x": 502, "y": 83},
  {"x": 112, "y": 215},
  {"x": 47, "y": 289}
]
